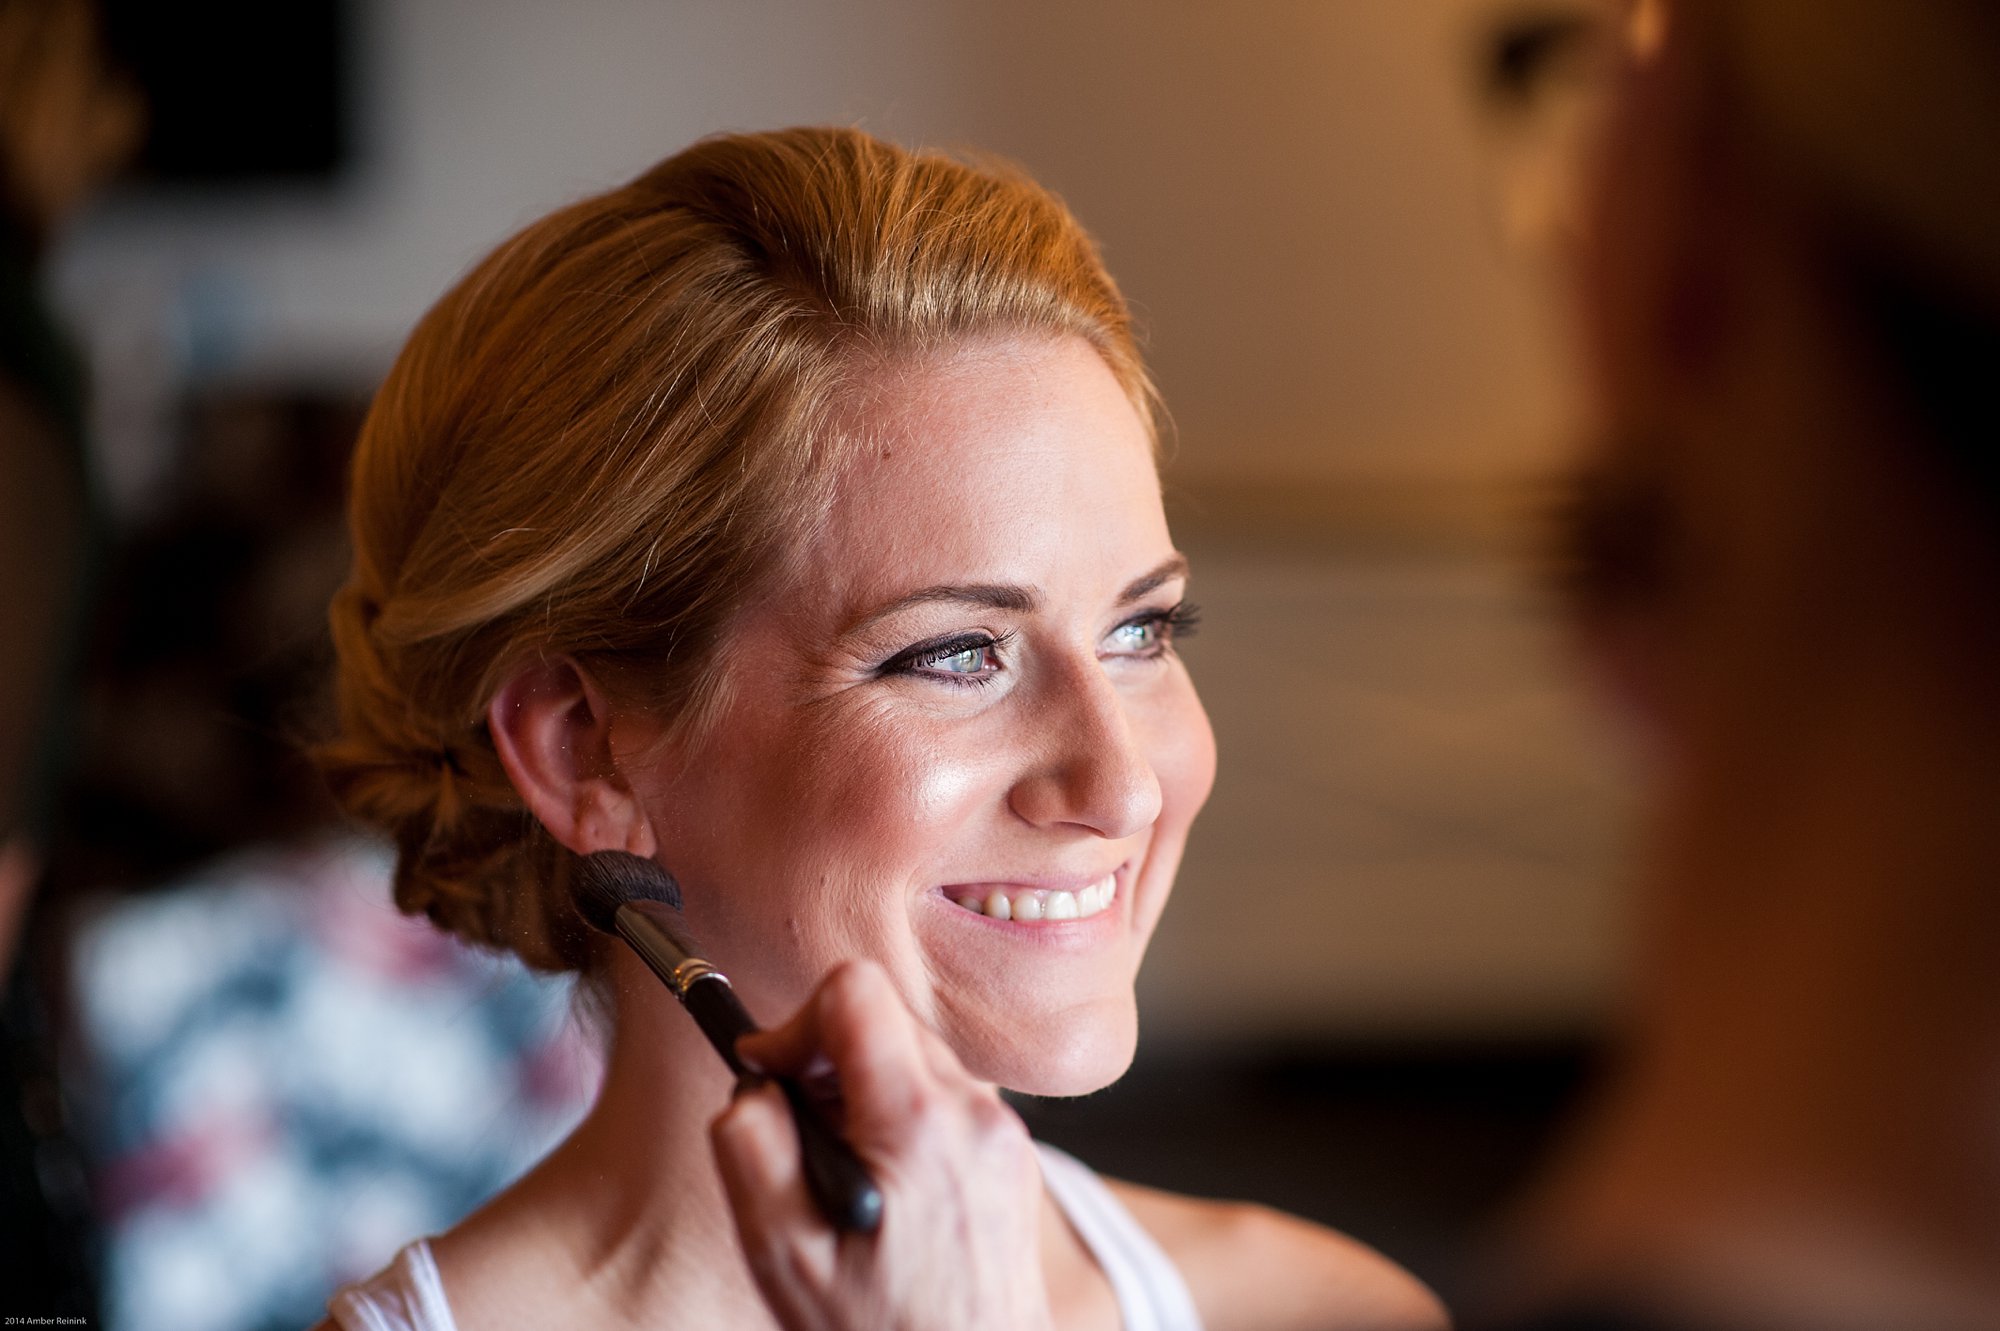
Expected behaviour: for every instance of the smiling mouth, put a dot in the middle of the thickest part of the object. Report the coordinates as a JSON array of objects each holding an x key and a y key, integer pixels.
[{"x": 1038, "y": 903}]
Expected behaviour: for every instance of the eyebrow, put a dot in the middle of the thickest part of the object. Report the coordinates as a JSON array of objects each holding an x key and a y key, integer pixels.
[
  {"x": 1174, "y": 566},
  {"x": 1011, "y": 596}
]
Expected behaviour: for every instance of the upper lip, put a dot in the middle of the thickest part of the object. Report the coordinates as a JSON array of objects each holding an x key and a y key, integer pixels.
[{"x": 1064, "y": 882}]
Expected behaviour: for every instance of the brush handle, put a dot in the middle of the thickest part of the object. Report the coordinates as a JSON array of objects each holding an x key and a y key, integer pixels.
[{"x": 840, "y": 1184}]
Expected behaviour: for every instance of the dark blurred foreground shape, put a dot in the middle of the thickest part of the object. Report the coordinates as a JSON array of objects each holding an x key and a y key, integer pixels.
[
  {"x": 66, "y": 121},
  {"x": 188, "y": 670},
  {"x": 1787, "y": 545}
]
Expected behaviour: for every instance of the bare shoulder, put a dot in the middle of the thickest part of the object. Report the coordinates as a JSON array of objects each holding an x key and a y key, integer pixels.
[{"x": 1251, "y": 1268}]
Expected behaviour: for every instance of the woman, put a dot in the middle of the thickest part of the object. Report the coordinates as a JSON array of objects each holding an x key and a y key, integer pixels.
[{"x": 789, "y": 516}]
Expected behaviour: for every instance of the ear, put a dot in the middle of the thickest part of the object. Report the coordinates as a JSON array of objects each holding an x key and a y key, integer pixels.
[{"x": 553, "y": 731}]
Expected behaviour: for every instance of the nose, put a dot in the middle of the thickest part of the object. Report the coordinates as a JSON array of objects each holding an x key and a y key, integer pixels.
[{"x": 1091, "y": 771}]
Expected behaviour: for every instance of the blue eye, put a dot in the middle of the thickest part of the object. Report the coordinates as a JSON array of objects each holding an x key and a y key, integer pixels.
[
  {"x": 964, "y": 659},
  {"x": 1139, "y": 636},
  {"x": 1150, "y": 634}
]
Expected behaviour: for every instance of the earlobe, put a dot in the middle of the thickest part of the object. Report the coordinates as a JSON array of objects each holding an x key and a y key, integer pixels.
[{"x": 552, "y": 728}]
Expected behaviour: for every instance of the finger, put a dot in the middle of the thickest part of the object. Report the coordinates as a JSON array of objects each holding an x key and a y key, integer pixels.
[
  {"x": 857, "y": 1023},
  {"x": 944, "y": 1060},
  {"x": 788, "y": 1247},
  {"x": 792, "y": 1045},
  {"x": 796, "y": 1048}
]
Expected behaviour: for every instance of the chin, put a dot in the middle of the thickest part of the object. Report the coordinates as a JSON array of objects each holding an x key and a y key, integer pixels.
[{"x": 1074, "y": 1053}]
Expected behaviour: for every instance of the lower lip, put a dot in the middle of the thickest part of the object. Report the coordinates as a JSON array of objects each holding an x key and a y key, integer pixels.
[{"x": 1081, "y": 932}]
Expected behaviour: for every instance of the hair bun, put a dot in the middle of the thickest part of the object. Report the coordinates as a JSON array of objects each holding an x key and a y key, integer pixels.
[{"x": 468, "y": 855}]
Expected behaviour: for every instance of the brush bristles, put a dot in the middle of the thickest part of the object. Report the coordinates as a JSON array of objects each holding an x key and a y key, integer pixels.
[{"x": 605, "y": 880}]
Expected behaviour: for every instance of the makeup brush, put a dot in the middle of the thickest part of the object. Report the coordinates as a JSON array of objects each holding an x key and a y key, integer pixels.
[{"x": 638, "y": 901}]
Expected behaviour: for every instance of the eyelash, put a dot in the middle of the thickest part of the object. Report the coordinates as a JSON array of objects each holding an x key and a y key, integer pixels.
[
  {"x": 1176, "y": 622},
  {"x": 914, "y": 660}
]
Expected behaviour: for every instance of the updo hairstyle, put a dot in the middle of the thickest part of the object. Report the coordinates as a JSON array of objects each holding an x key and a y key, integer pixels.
[{"x": 611, "y": 434}]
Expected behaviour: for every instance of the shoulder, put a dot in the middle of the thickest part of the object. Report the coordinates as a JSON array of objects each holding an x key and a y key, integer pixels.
[{"x": 1251, "y": 1268}]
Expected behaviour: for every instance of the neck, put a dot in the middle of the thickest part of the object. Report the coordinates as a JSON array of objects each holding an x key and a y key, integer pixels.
[
  {"x": 626, "y": 1221},
  {"x": 1805, "y": 1120},
  {"x": 627, "y": 1217}
]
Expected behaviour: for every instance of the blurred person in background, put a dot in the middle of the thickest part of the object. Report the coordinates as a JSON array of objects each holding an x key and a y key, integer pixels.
[
  {"x": 67, "y": 121},
  {"x": 1786, "y": 552}
]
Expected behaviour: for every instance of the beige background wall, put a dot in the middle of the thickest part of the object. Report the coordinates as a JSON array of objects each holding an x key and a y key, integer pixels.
[{"x": 1411, "y": 833}]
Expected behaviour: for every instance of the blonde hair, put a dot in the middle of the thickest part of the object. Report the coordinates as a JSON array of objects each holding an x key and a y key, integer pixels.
[{"x": 609, "y": 435}]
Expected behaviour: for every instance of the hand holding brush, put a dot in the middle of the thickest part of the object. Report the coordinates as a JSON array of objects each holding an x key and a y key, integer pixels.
[{"x": 633, "y": 898}]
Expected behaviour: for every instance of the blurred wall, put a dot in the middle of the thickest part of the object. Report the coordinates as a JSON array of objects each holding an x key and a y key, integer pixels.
[{"x": 1412, "y": 831}]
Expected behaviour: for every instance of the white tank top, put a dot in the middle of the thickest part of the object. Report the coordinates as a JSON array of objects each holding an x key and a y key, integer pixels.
[
  {"x": 1151, "y": 1294},
  {"x": 408, "y": 1296}
]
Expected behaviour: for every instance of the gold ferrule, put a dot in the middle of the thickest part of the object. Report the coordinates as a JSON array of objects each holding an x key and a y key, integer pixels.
[{"x": 694, "y": 968}]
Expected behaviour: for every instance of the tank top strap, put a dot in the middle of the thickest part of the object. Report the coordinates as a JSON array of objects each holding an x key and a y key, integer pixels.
[
  {"x": 409, "y": 1296},
  {"x": 406, "y": 1296},
  {"x": 1150, "y": 1292}
]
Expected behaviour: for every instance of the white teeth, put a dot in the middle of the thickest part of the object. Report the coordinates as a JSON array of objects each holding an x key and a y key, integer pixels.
[{"x": 1032, "y": 904}]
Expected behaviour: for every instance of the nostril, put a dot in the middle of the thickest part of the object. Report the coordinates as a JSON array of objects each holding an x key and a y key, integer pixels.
[
  {"x": 1140, "y": 801},
  {"x": 1112, "y": 793}
]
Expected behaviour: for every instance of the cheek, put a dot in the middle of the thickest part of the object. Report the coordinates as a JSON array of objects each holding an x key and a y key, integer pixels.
[
  {"x": 943, "y": 783},
  {"x": 853, "y": 802},
  {"x": 886, "y": 792}
]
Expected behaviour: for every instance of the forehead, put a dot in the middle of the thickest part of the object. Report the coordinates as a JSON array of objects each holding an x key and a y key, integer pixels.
[{"x": 1007, "y": 458}]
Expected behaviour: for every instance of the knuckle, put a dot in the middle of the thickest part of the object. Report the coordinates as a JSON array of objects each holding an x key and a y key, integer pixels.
[
  {"x": 849, "y": 988},
  {"x": 925, "y": 1107},
  {"x": 725, "y": 1132}
]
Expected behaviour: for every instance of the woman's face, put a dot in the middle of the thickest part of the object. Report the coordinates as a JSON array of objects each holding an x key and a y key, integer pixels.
[{"x": 961, "y": 744}]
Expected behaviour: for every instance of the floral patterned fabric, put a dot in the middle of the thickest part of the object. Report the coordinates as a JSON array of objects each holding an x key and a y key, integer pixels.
[{"x": 284, "y": 1081}]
